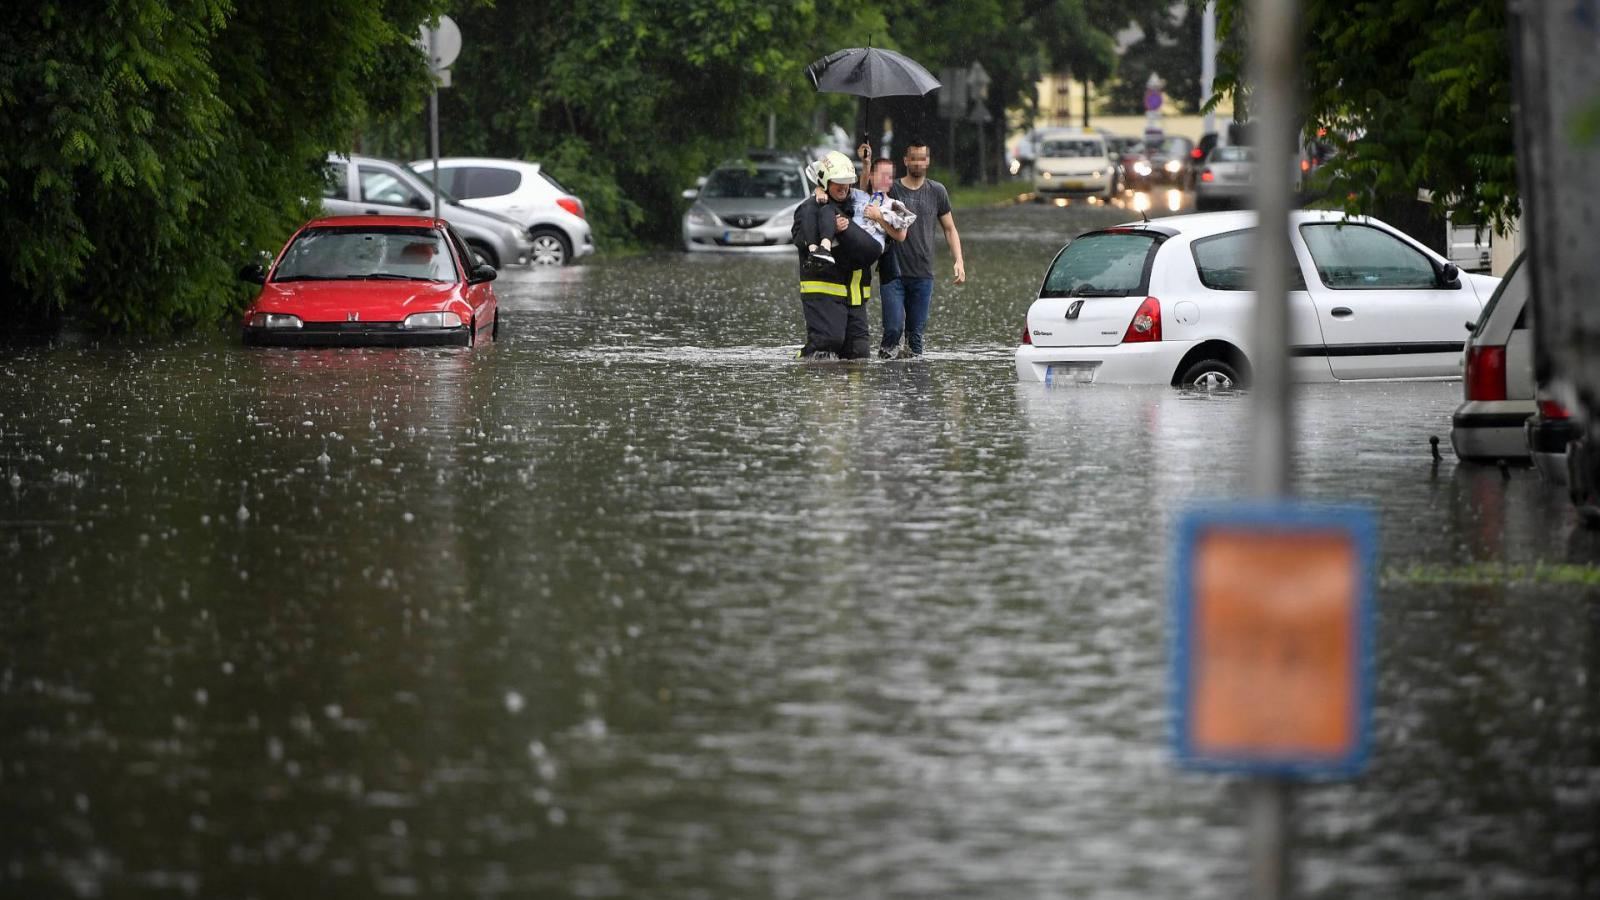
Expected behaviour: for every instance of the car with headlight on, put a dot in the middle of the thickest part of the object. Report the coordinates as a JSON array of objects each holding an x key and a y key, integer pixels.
[
  {"x": 745, "y": 206},
  {"x": 1169, "y": 301},
  {"x": 372, "y": 281},
  {"x": 1072, "y": 163}
]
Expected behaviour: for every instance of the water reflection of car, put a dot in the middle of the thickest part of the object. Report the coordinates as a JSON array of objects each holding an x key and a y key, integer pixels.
[
  {"x": 552, "y": 216},
  {"x": 1226, "y": 178},
  {"x": 1497, "y": 377},
  {"x": 1169, "y": 302},
  {"x": 363, "y": 185},
  {"x": 372, "y": 281},
  {"x": 745, "y": 206},
  {"x": 1072, "y": 163}
]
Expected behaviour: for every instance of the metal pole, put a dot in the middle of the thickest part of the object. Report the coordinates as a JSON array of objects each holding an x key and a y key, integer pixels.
[
  {"x": 772, "y": 131},
  {"x": 1208, "y": 61},
  {"x": 1274, "y": 48},
  {"x": 433, "y": 117}
]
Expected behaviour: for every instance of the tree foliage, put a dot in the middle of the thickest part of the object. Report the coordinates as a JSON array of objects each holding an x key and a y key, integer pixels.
[
  {"x": 1170, "y": 49},
  {"x": 1414, "y": 94},
  {"x": 153, "y": 143}
]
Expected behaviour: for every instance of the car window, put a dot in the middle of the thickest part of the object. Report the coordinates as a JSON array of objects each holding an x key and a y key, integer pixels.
[
  {"x": 336, "y": 181},
  {"x": 1072, "y": 149},
  {"x": 1352, "y": 256},
  {"x": 448, "y": 177},
  {"x": 1226, "y": 262},
  {"x": 379, "y": 186},
  {"x": 764, "y": 183},
  {"x": 336, "y": 254},
  {"x": 1513, "y": 288},
  {"x": 469, "y": 260},
  {"x": 1106, "y": 264},
  {"x": 482, "y": 181}
]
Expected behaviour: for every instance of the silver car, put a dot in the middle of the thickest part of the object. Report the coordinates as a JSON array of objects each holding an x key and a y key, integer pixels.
[
  {"x": 746, "y": 206},
  {"x": 1226, "y": 178},
  {"x": 363, "y": 185}
]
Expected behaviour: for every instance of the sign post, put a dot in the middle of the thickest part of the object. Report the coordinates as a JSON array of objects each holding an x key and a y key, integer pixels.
[{"x": 442, "y": 44}]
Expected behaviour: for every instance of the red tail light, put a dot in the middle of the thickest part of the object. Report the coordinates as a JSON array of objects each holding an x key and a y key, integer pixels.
[
  {"x": 1205, "y": 175},
  {"x": 571, "y": 205},
  {"x": 1305, "y": 165},
  {"x": 1486, "y": 373},
  {"x": 1195, "y": 153},
  {"x": 1026, "y": 337},
  {"x": 1550, "y": 409},
  {"x": 1146, "y": 324}
]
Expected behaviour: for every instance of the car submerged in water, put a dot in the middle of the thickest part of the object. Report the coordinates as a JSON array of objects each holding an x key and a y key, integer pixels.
[
  {"x": 372, "y": 281},
  {"x": 1169, "y": 301},
  {"x": 746, "y": 206}
]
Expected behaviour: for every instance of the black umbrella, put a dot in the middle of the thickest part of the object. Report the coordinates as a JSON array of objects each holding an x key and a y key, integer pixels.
[{"x": 869, "y": 72}]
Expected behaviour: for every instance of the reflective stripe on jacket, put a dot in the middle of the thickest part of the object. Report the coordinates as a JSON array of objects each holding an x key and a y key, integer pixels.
[{"x": 857, "y": 292}]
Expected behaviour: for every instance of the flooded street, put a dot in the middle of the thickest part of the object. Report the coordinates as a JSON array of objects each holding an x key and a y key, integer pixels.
[{"x": 633, "y": 604}]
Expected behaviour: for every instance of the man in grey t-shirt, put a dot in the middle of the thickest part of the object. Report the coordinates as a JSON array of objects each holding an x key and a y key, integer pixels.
[{"x": 908, "y": 297}]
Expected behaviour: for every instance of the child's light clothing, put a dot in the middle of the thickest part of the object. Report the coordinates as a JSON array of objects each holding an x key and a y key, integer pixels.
[{"x": 894, "y": 212}]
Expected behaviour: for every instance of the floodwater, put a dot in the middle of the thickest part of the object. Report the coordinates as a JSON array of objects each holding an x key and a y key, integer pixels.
[{"x": 634, "y": 605}]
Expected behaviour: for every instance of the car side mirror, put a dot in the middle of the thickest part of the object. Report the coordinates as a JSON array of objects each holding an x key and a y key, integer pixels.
[
  {"x": 1450, "y": 276},
  {"x": 690, "y": 193},
  {"x": 481, "y": 273},
  {"x": 255, "y": 273},
  {"x": 420, "y": 202}
]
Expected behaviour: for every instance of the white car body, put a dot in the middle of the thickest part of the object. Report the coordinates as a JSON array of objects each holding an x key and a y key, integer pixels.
[
  {"x": 1498, "y": 383},
  {"x": 522, "y": 191},
  {"x": 1068, "y": 161},
  {"x": 1340, "y": 331}
]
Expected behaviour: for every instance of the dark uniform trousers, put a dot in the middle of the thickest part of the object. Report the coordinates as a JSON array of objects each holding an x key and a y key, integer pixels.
[{"x": 835, "y": 301}]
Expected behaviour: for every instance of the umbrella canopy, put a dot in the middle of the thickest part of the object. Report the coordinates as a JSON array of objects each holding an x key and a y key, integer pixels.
[{"x": 870, "y": 72}]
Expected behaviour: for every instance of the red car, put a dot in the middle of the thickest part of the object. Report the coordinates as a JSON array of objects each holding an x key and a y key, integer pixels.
[{"x": 372, "y": 281}]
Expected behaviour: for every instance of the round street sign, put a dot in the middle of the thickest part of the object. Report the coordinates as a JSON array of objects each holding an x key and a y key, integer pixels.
[{"x": 442, "y": 44}]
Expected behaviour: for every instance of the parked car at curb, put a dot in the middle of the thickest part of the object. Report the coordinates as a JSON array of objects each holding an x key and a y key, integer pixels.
[
  {"x": 1169, "y": 302},
  {"x": 1073, "y": 162},
  {"x": 745, "y": 206},
  {"x": 365, "y": 185},
  {"x": 552, "y": 216},
  {"x": 1498, "y": 383},
  {"x": 372, "y": 281}
]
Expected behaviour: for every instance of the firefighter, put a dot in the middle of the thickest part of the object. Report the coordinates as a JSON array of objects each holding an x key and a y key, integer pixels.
[{"x": 836, "y": 256}]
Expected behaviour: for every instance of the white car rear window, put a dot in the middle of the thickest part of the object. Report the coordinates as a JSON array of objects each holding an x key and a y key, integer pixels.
[{"x": 1102, "y": 264}]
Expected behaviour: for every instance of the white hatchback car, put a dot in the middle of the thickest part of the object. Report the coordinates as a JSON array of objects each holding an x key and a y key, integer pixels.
[
  {"x": 1068, "y": 161},
  {"x": 1168, "y": 302},
  {"x": 553, "y": 218}
]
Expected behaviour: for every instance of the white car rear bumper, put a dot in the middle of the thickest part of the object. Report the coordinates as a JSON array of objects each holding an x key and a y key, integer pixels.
[{"x": 1155, "y": 362}]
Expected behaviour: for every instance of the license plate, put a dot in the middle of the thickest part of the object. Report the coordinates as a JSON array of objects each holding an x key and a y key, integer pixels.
[
  {"x": 1070, "y": 373},
  {"x": 1076, "y": 185},
  {"x": 741, "y": 237}
]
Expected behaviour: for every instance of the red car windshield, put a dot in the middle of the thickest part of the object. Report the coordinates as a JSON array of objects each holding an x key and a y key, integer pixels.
[{"x": 379, "y": 254}]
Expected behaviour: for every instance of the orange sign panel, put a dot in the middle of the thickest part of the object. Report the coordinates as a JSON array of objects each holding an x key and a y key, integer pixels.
[{"x": 1273, "y": 658}]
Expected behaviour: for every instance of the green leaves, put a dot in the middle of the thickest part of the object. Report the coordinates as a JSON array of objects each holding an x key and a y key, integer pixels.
[{"x": 155, "y": 144}]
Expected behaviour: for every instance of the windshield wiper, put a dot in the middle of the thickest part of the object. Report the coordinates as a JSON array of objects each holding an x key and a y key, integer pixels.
[
  {"x": 283, "y": 278},
  {"x": 389, "y": 276},
  {"x": 1089, "y": 290}
]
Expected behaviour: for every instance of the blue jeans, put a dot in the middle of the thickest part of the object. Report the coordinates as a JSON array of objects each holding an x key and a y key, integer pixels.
[{"x": 905, "y": 310}]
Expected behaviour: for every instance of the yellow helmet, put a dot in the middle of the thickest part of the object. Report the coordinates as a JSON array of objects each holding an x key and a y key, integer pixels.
[{"x": 836, "y": 167}]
